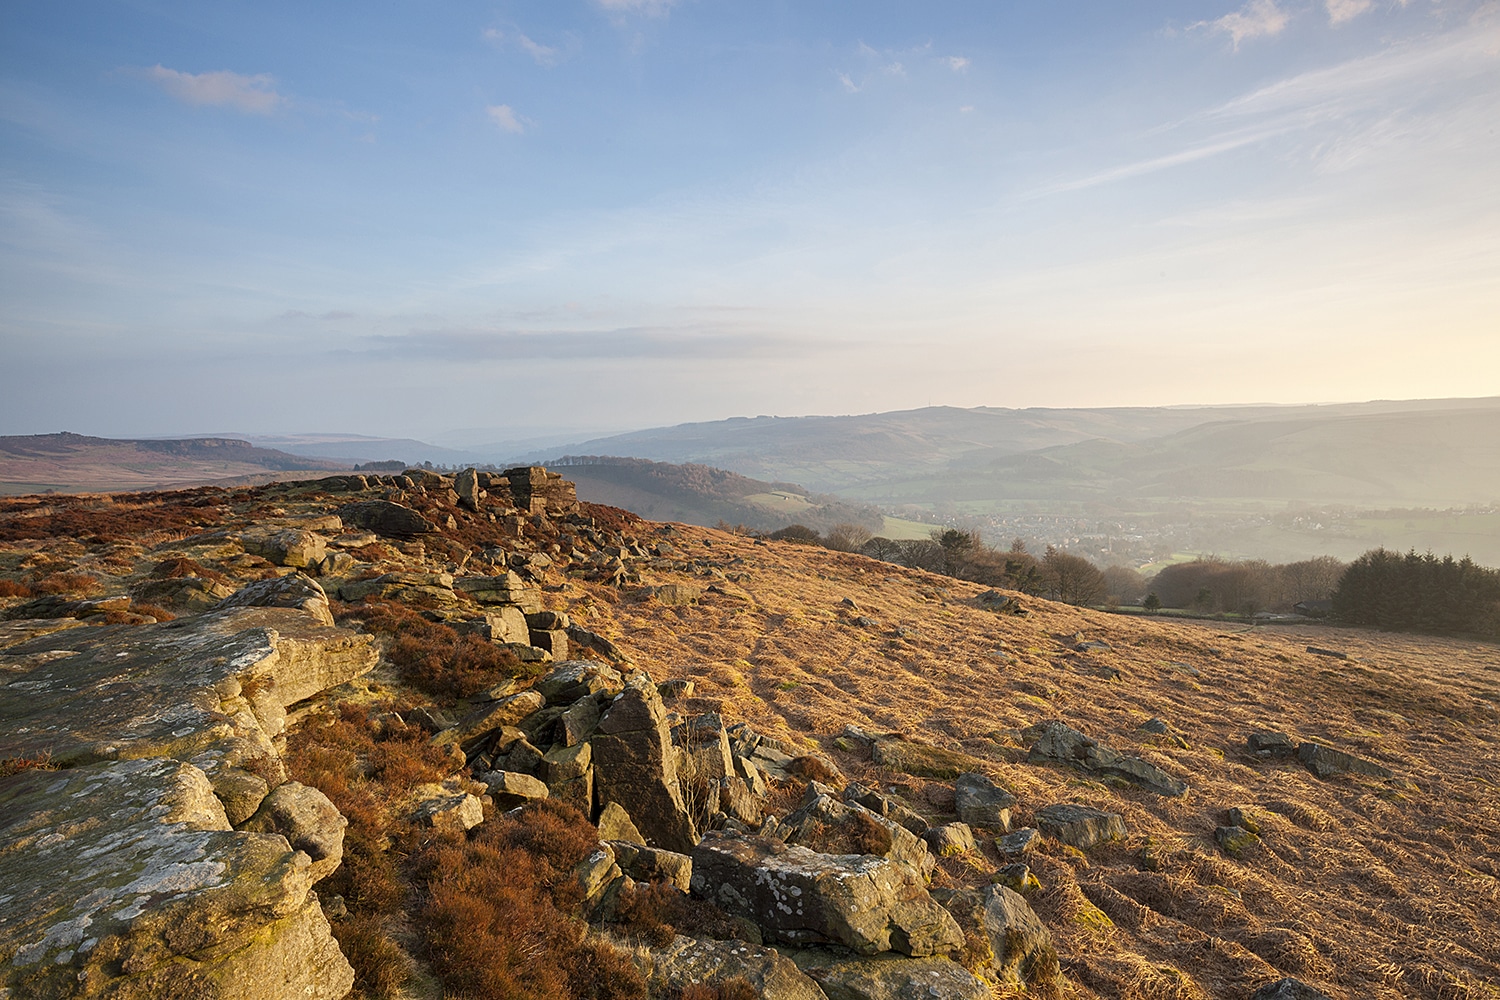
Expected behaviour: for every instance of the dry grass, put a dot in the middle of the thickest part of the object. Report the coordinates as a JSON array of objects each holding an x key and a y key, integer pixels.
[{"x": 1364, "y": 888}]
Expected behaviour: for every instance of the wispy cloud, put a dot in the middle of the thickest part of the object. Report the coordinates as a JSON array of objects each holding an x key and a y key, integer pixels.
[
  {"x": 649, "y": 8},
  {"x": 848, "y": 82},
  {"x": 544, "y": 55},
  {"x": 958, "y": 63},
  {"x": 1340, "y": 11},
  {"x": 505, "y": 116},
  {"x": 252, "y": 94},
  {"x": 1257, "y": 19}
]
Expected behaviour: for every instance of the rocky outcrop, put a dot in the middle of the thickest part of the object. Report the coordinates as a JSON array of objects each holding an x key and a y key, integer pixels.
[
  {"x": 1017, "y": 948},
  {"x": 1326, "y": 762},
  {"x": 292, "y": 591},
  {"x": 123, "y": 875},
  {"x": 385, "y": 517},
  {"x": 862, "y": 902},
  {"x": 980, "y": 802}
]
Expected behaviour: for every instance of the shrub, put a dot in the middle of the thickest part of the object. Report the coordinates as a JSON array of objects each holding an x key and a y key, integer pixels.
[
  {"x": 381, "y": 966},
  {"x": 433, "y": 657},
  {"x": 12, "y": 588},
  {"x": 799, "y": 534},
  {"x": 177, "y": 567},
  {"x": 655, "y": 913},
  {"x": 68, "y": 583}
]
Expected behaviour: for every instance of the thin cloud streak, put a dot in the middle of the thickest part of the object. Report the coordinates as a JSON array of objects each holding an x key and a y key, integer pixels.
[
  {"x": 625, "y": 343},
  {"x": 1257, "y": 19}
]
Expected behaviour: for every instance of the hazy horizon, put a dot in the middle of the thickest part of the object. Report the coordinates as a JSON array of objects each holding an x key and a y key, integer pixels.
[{"x": 609, "y": 215}]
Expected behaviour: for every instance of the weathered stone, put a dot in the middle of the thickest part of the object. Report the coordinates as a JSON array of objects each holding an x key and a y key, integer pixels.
[
  {"x": 554, "y": 641},
  {"x": 1326, "y": 762},
  {"x": 1288, "y": 989},
  {"x": 308, "y": 820},
  {"x": 292, "y": 591},
  {"x": 504, "y": 588},
  {"x": 56, "y": 606},
  {"x": 1235, "y": 840},
  {"x": 1020, "y": 949},
  {"x": 889, "y": 977},
  {"x": 570, "y": 680},
  {"x": 240, "y": 791},
  {"x": 489, "y": 717},
  {"x": 648, "y": 864},
  {"x": 736, "y": 801},
  {"x": 615, "y": 825},
  {"x": 693, "y": 961},
  {"x": 503, "y": 623},
  {"x": 466, "y": 485},
  {"x": 566, "y": 763},
  {"x": 890, "y": 808},
  {"x": 678, "y": 594},
  {"x": 455, "y": 813},
  {"x": 1080, "y": 826},
  {"x": 824, "y": 824},
  {"x": 521, "y": 756},
  {"x": 1018, "y": 878},
  {"x": 1022, "y": 841},
  {"x": 1060, "y": 744},
  {"x": 980, "y": 802},
  {"x": 704, "y": 748},
  {"x": 675, "y": 688},
  {"x": 1245, "y": 817},
  {"x": 921, "y": 760},
  {"x": 383, "y": 517},
  {"x": 1270, "y": 743},
  {"x": 816, "y": 767},
  {"x": 635, "y": 765},
  {"x": 579, "y": 722},
  {"x": 582, "y": 638},
  {"x": 549, "y": 621},
  {"x": 865, "y": 903},
  {"x": 285, "y": 546},
  {"x": 418, "y": 587},
  {"x": 124, "y": 879},
  {"x": 950, "y": 840},
  {"x": 595, "y": 872},
  {"x": 211, "y": 689},
  {"x": 511, "y": 789},
  {"x": 184, "y": 593}
]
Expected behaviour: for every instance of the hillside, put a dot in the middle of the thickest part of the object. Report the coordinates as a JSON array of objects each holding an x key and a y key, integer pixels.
[
  {"x": 76, "y": 463},
  {"x": 915, "y": 455},
  {"x": 1376, "y": 879},
  {"x": 705, "y": 496}
]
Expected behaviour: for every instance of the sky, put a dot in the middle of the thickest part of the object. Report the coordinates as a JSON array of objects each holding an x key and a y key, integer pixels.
[{"x": 472, "y": 221}]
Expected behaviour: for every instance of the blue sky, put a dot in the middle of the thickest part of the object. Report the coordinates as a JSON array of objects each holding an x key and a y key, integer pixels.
[{"x": 449, "y": 219}]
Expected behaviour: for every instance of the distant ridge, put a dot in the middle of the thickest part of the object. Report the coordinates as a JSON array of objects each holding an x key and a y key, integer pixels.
[{"x": 76, "y": 463}]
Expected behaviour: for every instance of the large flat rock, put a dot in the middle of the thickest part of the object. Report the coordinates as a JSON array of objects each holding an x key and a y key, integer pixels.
[
  {"x": 124, "y": 879},
  {"x": 176, "y": 690}
]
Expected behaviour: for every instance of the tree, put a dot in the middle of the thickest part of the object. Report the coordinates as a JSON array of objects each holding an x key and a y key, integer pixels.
[
  {"x": 1123, "y": 585},
  {"x": 882, "y": 548},
  {"x": 1152, "y": 603},
  {"x": 956, "y": 545},
  {"x": 801, "y": 534},
  {"x": 846, "y": 537},
  {"x": 1072, "y": 579}
]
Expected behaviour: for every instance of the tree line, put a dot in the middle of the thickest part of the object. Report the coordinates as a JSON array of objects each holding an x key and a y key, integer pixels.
[{"x": 1391, "y": 590}]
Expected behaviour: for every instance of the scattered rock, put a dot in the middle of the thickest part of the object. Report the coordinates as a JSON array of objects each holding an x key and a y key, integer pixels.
[
  {"x": 1288, "y": 989},
  {"x": 1018, "y": 878},
  {"x": 889, "y": 977},
  {"x": 455, "y": 813},
  {"x": 1325, "y": 762},
  {"x": 285, "y": 546},
  {"x": 635, "y": 765},
  {"x": 688, "y": 962},
  {"x": 950, "y": 839},
  {"x": 571, "y": 680},
  {"x": 308, "y": 820},
  {"x": 1235, "y": 840},
  {"x": 675, "y": 688},
  {"x": 386, "y": 518},
  {"x": 511, "y": 789},
  {"x": 922, "y": 760},
  {"x": 1078, "y": 825},
  {"x": 980, "y": 802},
  {"x": 615, "y": 825},
  {"x": 815, "y": 767},
  {"x": 1020, "y": 949},
  {"x": 466, "y": 485},
  {"x": 1330, "y": 653},
  {"x": 1272, "y": 744},
  {"x": 678, "y": 594},
  {"x": 1021, "y": 842},
  {"x": 865, "y": 903},
  {"x": 292, "y": 591},
  {"x": 648, "y": 864},
  {"x": 490, "y": 717},
  {"x": 1057, "y": 743},
  {"x": 824, "y": 824}
]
